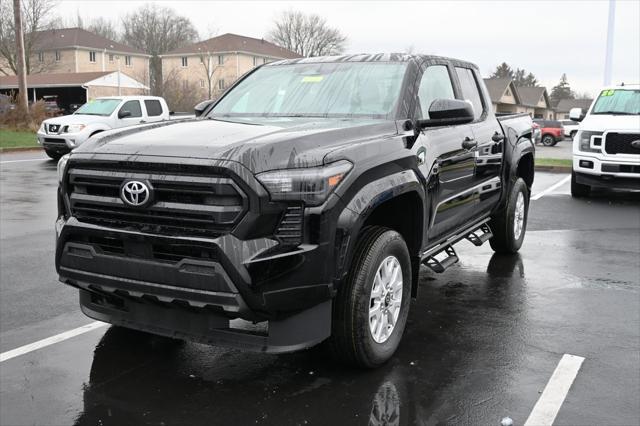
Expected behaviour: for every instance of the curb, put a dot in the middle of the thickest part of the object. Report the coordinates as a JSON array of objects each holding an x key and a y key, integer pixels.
[
  {"x": 20, "y": 149},
  {"x": 553, "y": 169}
]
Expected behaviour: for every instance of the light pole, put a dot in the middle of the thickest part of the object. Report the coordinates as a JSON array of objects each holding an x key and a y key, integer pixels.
[{"x": 608, "y": 58}]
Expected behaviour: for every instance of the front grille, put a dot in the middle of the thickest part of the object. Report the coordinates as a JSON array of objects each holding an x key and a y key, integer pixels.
[
  {"x": 54, "y": 128},
  {"x": 620, "y": 143},
  {"x": 185, "y": 200},
  {"x": 620, "y": 168}
]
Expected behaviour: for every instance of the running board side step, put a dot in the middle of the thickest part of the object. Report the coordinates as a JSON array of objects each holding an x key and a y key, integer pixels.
[
  {"x": 440, "y": 261},
  {"x": 443, "y": 255},
  {"x": 478, "y": 240}
]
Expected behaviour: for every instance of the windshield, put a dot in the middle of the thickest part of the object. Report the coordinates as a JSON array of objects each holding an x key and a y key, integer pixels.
[
  {"x": 316, "y": 90},
  {"x": 618, "y": 101},
  {"x": 102, "y": 107}
]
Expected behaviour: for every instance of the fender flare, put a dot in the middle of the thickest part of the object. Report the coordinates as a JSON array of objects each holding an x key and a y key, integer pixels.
[{"x": 364, "y": 202}]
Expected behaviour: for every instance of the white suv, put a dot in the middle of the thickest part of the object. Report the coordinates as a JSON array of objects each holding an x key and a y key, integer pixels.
[{"x": 606, "y": 148}]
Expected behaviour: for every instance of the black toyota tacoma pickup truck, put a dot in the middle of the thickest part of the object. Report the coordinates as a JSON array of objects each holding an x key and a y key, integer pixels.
[{"x": 298, "y": 207}]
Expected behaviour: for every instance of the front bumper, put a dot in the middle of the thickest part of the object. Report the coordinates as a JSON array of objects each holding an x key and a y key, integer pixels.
[
  {"x": 607, "y": 173},
  {"x": 61, "y": 143}
]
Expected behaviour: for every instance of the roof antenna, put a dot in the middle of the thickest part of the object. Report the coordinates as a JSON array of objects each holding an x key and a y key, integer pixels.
[{"x": 622, "y": 84}]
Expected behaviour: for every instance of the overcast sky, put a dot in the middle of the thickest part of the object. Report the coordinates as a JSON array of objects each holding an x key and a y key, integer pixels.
[{"x": 544, "y": 37}]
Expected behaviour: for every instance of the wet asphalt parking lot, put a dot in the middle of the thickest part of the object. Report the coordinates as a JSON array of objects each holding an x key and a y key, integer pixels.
[{"x": 482, "y": 342}]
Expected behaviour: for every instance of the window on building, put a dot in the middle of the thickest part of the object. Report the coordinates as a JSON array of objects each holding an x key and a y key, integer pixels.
[
  {"x": 58, "y": 56},
  {"x": 127, "y": 61},
  {"x": 153, "y": 107},
  {"x": 255, "y": 61},
  {"x": 40, "y": 56},
  {"x": 185, "y": 61},
  {"x": 221, "y": 84},
  {"x": 92, "y": 56},
  {"x": 201, "y": 83},
  {"x": 470, "y": 92},
  {"x": 111, "y": 57},
  {"x": 265, "y": 60},
  {"x": 220, "y": 59},
  {"x": 133, "y": 107},
  {"x": 435, "y": 84}
]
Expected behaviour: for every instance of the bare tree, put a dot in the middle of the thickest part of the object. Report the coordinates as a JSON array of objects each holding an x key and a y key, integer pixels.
[
  {"x": 307, "y": 35},
  {"x": 37, "y": 16},
  {"x": 180, "y": 94},
  {"x": 157, "y": 30},
  {"x": 104, "y": 27}
]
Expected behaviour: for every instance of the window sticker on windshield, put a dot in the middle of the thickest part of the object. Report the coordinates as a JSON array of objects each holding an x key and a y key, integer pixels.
[
  {"x": 312, "y": 78},
  {"x": 609, "y": 92}
]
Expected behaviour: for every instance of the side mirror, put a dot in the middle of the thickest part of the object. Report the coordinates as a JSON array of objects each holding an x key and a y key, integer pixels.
[
  {"x": 172, "y": 113},
  {"x": 576, "y": 114},
  {"x": 201, "y": 107},
  {"x": 124, "y": 113},
  {"x": 447, "y": 112}
]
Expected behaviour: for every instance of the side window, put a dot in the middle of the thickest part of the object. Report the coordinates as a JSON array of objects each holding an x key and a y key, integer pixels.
[
  {"x": 133, "y": 107},
  {"x": 153, "y": 107},
  {"x": 469, "y": 88},
  {"x": 435, "y": 84}
]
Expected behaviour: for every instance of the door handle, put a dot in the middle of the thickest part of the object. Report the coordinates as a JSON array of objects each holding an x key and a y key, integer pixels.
[
  {"x": 142, "y": 121},
  {"x": 497, "y": 137},
  {"x": 469, "y": 143}
]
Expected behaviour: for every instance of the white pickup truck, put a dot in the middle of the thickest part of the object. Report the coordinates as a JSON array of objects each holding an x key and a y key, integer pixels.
[
  {"x": 606, "y": 148},
  {"x": 60, "y": 135}
]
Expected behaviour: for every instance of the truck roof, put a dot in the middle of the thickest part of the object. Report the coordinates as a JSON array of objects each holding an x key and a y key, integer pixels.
[
  {"x": 373, "y": 57},
  {"x": 131, "y": 97}
]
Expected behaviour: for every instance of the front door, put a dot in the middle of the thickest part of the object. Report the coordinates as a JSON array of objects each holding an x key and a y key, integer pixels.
[{"x": 447, "y": 166}]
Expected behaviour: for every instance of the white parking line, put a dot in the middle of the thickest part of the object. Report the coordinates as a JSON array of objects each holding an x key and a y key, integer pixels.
[
  {"x": 5, "y": 356},
  {"x": 22, "y": 161},
  {"x": 549, "y": 403},
  {"x": 551, "y": 188}
]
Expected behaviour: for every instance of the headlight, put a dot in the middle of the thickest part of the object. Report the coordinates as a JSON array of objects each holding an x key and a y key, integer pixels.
[
  {"x": 75, "y": 128},
  {"x": 311, "y": 185},
  {"x": 584, "y": 141},
  {"x": 62, "y": 165}
]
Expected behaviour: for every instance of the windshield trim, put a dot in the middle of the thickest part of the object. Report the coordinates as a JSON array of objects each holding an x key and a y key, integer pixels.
[{"x": 393, "y": 113}]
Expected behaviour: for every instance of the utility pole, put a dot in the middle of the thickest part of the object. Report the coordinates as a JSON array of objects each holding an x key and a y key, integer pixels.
[
  {"x": 23, "y": 104},
  {"x": 608, "y": 58}
]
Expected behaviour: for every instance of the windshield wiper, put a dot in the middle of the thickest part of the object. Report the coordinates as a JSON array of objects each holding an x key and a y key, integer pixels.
[{"x": 615, "y": 113}]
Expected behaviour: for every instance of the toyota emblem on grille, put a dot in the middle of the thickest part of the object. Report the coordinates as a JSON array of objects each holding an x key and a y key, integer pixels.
[
  {"x": 636, "y": 144},
  {"x": 135, "y": 193}
]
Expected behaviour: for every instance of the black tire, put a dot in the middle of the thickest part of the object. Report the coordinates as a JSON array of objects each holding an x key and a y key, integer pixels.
[
  {"x": 53, "y": 154},
  {"x": 548, "y": 140},
  {"x": 578, "y": 190},
  {"x": 503, "y": 224},
  {"x": 351, "y": 340},
  {"x": 572, "y": 134}
]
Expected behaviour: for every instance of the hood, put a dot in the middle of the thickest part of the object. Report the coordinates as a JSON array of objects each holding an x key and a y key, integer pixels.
[
  {"x": 601, "y": 123},
  {"x": 76, "y": 119},
  {"x": 271, "y": 144}
]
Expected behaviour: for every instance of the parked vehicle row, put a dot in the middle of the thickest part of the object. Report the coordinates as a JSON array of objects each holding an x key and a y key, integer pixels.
[
  {"x": 304, "y": 199},
  {"x": 551, "y": 131}
]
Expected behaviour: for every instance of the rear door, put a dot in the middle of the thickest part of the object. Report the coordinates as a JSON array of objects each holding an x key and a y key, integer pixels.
[
  {"x": 488, "y": 152},
  {"x": 447, "y": 166},
  {"x": 154, "y": 110},
  {"x": 136, "y": 116}
]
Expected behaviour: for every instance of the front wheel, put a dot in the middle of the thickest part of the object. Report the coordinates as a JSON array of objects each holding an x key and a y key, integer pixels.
[
  {"x": 53, "y": 154},
  {"x": 510, "y": 225},
  {"x": 372, "y": 305},
  {"x": 548, "y": 140},
  {"x": 572, "y": 134},
  {"x": 578, "y": 190}
]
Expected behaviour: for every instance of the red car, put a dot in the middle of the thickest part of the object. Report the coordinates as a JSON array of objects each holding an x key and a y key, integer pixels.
[{"x": 551, "y": 130}]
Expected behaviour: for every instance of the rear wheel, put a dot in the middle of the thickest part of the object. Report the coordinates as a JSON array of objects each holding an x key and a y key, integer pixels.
[
  {"x": 53, "y": 154},
  {"x": 578, "y": 190},
  {"x": 510, "y": 225},
  {"x": 372, "y": 305},
  {"x": 548, "y": 140}
]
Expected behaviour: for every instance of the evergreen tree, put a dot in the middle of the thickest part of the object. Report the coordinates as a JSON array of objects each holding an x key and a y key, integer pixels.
[
  {"x": 502, "y": 71},
  {"x": 561, "y": 91}
]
